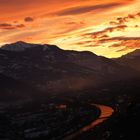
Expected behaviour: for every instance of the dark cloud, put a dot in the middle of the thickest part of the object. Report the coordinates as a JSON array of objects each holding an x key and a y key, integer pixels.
[
  {"x": 120, "y": 43},
  {"x": 20, "y": 25},
  {"x": 85, "y": 9},
  {"x": 74, "y": 23},
  {"x": 123, "y": 20},
  {"x": 100, "y": 37},
  {"x": 116, "y": 45},
  {"x": 131, "y": 16},
  {"x": 28, "y": 19},
  {"x": 113, "y": 23},
  {"x": 7, "y": 26},
  {"x": 104, "y": 36},
  {"x": 121, "y": 38},
  {"x": 127, "y": 42},
  {"x": 136, "y": 26},
  {"x": 121, "y": 50},
  {"x": 130, "y": 44},
  {"x": 102, "y": 33},
  {"x": 84, "y": 42},
  {"x": 138, "y": 14},
  {"x": 90, "y": 43},
  {"x": 119, "y": 21}
]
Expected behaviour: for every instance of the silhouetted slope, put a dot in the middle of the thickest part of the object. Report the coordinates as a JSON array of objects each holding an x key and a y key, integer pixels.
[
  {"x": 131, "y": 59},
  {"x": 13, "y": 90}
]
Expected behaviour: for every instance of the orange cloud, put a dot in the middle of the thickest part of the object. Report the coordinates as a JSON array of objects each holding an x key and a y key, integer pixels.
[{"x": 75, "y": 24}]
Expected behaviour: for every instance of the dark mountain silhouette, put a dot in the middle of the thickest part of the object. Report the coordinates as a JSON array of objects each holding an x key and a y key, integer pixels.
[
  {"x": 52, "y": 69},
  {"x": 32, "y": 74},
  {"x": 131, "y": 59}
]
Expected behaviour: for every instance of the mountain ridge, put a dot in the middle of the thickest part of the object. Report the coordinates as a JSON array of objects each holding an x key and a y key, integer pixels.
[
  {"x": 52, "y": 69},
  {"x": 22, "y": 46},
  {"x": 131, "y": 59}
]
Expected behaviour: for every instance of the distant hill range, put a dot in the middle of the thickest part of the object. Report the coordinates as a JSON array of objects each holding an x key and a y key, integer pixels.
[
  {"x": 131, "y": 59},
  {"x": 53, "y": 70}
]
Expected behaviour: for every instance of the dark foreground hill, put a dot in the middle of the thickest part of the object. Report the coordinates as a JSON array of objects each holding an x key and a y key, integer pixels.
[{"x": 13, "y": 90}]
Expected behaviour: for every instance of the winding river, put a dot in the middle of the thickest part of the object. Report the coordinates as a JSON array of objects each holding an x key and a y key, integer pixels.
[{"x": 106, "y": 112}]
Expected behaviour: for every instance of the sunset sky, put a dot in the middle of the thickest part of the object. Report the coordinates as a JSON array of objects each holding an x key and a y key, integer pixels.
[{"x": 106, "y": 27}]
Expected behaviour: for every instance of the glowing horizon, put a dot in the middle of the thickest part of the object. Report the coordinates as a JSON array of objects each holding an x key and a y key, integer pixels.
[{"x": 110, "y": 28}]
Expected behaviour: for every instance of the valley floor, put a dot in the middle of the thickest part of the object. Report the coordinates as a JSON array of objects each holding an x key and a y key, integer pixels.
[{"x": 62, "y": 116}]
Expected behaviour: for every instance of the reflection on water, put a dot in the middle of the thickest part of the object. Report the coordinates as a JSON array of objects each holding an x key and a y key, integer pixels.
[{"x": 106, "y": 112}]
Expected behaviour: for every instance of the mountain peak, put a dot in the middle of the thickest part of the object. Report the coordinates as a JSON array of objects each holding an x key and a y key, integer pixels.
[
  {"x": 20, "y": 42},
  {"x": 22, "y": 46},
  {"x": 17, "y": 46}
]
